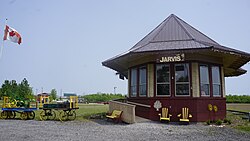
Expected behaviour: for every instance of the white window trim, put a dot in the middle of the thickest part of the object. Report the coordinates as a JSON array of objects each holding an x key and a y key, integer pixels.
[
  {"x": 209, "y": 91},
  {"x": 131, "y": 94},
  {"x": 183, "y": 82},
  {"x": 140, "y": 84},
  {"x": 169, "y": 82},
  {"x": 163, "y": 95},
  {"x": 216, "y": 83},
  {"x": 220, "y": 90}
]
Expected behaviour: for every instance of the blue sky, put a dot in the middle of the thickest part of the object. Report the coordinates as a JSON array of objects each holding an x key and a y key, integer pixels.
[{"x": 65, "y": 41}]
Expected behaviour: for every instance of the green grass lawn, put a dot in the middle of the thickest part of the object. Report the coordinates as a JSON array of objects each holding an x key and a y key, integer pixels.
[
  {"x": 83, "y": 113},
  {"x": 86, "y": 110},
  {"x": 238, "y": 122}
]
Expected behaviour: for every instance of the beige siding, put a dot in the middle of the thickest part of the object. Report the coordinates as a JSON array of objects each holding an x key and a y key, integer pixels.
[
  {"x": 195, "y": 80},
  {"x": 223, "y": 82},
  {"x": 150, "y": 80}
]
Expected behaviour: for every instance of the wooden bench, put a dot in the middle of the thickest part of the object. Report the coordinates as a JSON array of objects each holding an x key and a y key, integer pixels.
[{"x": 115, "y": 116}]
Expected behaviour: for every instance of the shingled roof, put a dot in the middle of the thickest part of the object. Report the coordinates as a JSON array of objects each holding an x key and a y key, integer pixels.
[
  {"x": 174, "y": 34},
  {"x": 169, "y": 32}
]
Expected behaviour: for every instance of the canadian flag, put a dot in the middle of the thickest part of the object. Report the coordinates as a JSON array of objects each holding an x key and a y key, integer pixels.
[{"x": 12, "y": 35}]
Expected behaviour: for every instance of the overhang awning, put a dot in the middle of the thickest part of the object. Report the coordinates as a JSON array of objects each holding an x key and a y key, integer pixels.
[{"x": 232, "y": 72}]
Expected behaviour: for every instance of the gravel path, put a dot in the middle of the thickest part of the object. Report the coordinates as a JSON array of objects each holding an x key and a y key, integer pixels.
[{"x": 97, "y": 130}]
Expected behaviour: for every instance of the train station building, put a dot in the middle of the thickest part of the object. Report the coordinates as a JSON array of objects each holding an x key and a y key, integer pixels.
[{"x": 177, "y": 66}]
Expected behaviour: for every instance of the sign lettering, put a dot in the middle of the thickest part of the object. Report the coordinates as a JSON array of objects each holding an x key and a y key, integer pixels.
[{"x": 174, "y": 58}]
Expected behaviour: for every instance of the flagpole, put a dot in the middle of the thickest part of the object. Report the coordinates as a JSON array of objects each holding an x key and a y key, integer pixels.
[{"x": 1, "y": 51}]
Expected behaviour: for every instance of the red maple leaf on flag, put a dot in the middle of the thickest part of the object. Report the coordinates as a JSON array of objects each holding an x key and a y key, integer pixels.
[{"x": 12, "y": 35}]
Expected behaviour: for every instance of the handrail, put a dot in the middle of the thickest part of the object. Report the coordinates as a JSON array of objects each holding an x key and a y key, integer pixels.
[{"x": 139, "y": 104}]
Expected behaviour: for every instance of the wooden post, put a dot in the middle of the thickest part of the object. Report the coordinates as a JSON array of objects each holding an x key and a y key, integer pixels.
[
  {"x": 41, "y": 102},
  {"x": 76, "y": 100},
  {"x": 70, "y": 101}
]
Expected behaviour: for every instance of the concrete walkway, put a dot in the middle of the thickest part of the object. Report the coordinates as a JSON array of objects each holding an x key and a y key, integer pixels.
[{"x": 140, "y": 119}]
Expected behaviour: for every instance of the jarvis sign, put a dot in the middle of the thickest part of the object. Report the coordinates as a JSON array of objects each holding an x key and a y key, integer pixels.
[{"x": 171, "y": 58}]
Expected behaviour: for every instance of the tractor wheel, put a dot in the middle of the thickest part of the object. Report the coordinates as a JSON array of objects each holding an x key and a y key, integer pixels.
[
  {"x": 11, "y": 114},
  {"x": 4, "y": 114},
  {"x": 52, "y": 115},
  {"x": 43, "y": 116},
  {"x": 24, "y": 115},
  {"x": 63, "y": 116},
  {"x": 31, "y": 115},
  {"x": 71, "y": 115}
]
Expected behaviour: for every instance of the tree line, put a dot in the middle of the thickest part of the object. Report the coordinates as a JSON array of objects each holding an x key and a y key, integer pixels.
[
  {"x": 93, "y": 98},
  {"x": 14, "y": 90},
  {"x": 107, "y": 97},
  {"x": 238, "y": 98},
  {"x": 21, "y": 91}
]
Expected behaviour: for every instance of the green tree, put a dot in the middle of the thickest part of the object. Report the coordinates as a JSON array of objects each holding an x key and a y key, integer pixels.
[
  {"x": 25, "y": 90},
  {"x": 9, "y": 88},
  {"x": 5, "y": 89},
  {"x": 16, "y": 91},
  {"x": 53, "y": 94}
]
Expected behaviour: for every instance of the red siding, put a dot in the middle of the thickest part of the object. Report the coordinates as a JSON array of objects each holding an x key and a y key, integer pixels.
[{"x": 198, "y": 107}]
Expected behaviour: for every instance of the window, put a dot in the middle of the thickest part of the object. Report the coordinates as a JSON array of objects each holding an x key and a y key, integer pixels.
[
  {"x": 138, "y": 81},
  {"x": 182, "y": 79},
  {"x": 133, "y": 82},
  {"x": 143, "y": 81},
  {"x": 216, "y": 81},
  {"x": 204, "y": 80},
  {"x": 210, "y": 75},
  {"x": 162, "y": 80}
]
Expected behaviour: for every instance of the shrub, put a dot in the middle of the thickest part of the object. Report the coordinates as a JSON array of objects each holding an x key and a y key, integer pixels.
[
  {"x": 218, "y": 122},
  {"x": 208, "y": 122},
  {"x": 228, "y": 121},
  {"x": 225, "y": 120}
]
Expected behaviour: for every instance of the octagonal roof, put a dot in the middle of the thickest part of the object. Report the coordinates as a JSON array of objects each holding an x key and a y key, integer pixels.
[{"x": 175, "y": 35}]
